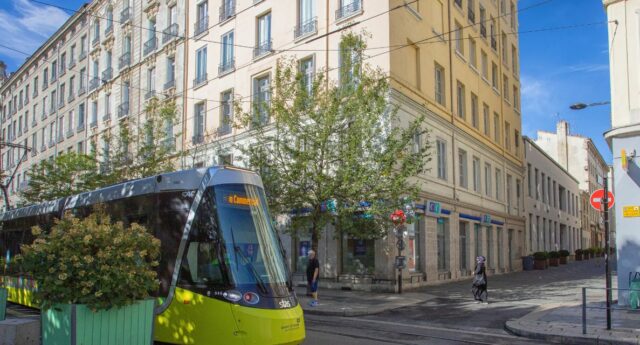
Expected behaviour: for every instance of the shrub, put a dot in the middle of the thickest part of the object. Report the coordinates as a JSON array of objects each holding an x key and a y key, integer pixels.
[
  {"x": 92, "y": 261},
  {"x": 554, "y": 255},
  {"x": 540, "y": 255},
  {"x": 564, "y": 253}
]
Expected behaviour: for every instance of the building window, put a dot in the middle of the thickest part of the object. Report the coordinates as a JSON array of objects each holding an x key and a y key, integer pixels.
[
  {"x": 475, "y": 121},
  {"x": 487, "y": 179},
  {"x": 201, "y": 66},
  {"x": 226, "y": 115},
  {"x": 494, "y": 76},
  {"x": 505, "y": 87},
  {"x": 202, "y": 17},
  {"x": 476, "y": 174},
  {"x": 350, "y": 62},
  {"x": 489, "y": 230},
  {"x": 307, "y": 22},
  {"x": 198, "y": 123},
  {"x": 464, "y": 229},
  {"x": 441, "y": 147},
  {"x": 496, "y": 127},
  {"x": 514, "y": 60},
  {"x": 509, "y": 182},
  {"x": 459, "y": 39},
  {"x": 81, "y": 116},
  {"x": 484, "y": 59},
  {"x": 507, "y": 135},
  {"x": 94, "y": 113},
  {"x": 537, "y": 183},
  {"x": 261, "y": 99},
  {"x": 516, "y": 98},
  {"x": 472, "y": 52},
  {"x": 487, "y": 120},
  {"x": 171, "y": 70},
  {"x": 505, "y": 56},
  {"x": 307, "y": 72},
  {"x": 529, "y": 180},
  {"x": 439, "y": 84},
  {"x": 443, "y": 244},
  {"x": 263, "y": 40},
  {"x": 227, "y": 60},
  {"x": 462, "y": 167},
  {"x": 461, "y": 100},
  {"x": 498, "y": 184}
]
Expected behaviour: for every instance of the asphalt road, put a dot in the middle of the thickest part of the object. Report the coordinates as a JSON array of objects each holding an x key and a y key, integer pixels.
[{"x": 454, "y": 318}]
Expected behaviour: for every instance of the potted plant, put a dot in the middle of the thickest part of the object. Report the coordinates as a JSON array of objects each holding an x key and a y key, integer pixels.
[
  {"x": 579, "y": 253},
  {"x": 93, "y": 280},
  {"x": 564, "y": 254},
  {"x": 540, "y": 260},
  {"x": 3, "y": 291},
  {"x": 554, "y": 258}
]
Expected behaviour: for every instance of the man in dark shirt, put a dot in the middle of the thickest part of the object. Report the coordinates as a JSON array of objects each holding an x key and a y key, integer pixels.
[{"x": 313, "y": 272}]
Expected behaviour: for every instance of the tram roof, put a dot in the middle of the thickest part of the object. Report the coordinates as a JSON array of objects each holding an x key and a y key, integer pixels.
[{"x": 178, "y": 180}]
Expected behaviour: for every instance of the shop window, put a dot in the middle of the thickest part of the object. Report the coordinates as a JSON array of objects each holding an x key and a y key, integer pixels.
[{"x": 358, "y": 256}]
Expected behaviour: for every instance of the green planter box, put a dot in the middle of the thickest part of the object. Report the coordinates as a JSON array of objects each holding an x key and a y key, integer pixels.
[
  {"x": 3, "y": 303},
  {"x": 71, "y": 324}
]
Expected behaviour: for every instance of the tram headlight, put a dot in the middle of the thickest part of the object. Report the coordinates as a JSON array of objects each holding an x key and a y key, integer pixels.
[
  {"x": 233, "y": 296},
  {"x": 251, "y": 298}
]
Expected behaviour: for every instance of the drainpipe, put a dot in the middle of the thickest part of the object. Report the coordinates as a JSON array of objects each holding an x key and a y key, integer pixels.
[{"x": 185, "y": 75}]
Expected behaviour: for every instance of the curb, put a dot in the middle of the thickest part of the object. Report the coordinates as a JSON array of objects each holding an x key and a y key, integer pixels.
[{"x": 514, "y": 327}]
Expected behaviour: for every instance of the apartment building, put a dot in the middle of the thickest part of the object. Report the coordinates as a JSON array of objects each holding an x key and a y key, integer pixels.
[
  {"x": 96, "y": 71},
  {"x": 551, "y": 202},
  {"x": 454, "y": 61},
  {"x": 581, "y": 158}
]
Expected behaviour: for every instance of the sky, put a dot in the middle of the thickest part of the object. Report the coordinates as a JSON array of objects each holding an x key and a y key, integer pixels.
[{"x": 558, "y": 67}]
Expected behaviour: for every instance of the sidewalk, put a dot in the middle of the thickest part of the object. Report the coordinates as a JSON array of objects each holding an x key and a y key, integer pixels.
[
  {"x": 358, "y": 303},
  {"x": 563, "y": 324}
]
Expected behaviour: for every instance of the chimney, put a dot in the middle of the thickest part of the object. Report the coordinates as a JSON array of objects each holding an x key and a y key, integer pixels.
[{"x": 562, "y": 132}]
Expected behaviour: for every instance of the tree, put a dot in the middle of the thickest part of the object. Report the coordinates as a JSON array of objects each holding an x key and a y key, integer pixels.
[
  {"x": 67, "y": 174},
  {"x": 333, "y": 152}
]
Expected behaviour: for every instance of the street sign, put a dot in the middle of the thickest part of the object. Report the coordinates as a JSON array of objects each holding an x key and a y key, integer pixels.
[
  {"x": 596, "y": 199},
  {"x": 631, "y": 211}
]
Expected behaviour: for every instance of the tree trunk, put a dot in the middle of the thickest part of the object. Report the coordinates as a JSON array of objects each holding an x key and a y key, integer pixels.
[{"x": 5, "y": 194}]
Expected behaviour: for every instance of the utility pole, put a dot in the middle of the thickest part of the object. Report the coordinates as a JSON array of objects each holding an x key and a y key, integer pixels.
[{"x": 605, "y": 204}]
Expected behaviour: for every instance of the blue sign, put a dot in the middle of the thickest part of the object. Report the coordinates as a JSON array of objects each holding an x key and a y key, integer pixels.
[
  {"x": 433, "y": 207},
  {"x": 304, "y": 248},
  {"x": 360, "y": 248},
  {"x": 486, "y": 219}
]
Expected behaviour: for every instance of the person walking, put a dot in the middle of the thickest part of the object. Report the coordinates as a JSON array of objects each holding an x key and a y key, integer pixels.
[
  {"x": 479, "y": 285},
  {"x": 313, "y": 273}
]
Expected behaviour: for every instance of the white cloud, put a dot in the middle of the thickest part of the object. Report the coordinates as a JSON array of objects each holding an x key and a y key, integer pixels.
[
  {"x": 589, "y": 68},
  {"x": 536, "y": 97},
  {"x": 27, "y": 26}
]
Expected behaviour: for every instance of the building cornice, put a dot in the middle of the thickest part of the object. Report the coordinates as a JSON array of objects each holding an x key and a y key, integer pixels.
[{"x": 607, "y": 3}]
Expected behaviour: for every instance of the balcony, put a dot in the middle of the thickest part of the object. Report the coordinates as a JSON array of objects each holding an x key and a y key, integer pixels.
[
  {"x": 43, "y": 116},
  {"x": 351, "y": 9},
  {"x": 306, "y": 28},
  {"x": 224, "y": 129},
  {"x": 472, "y": 16},
  {"x": 95, "y": 41},
  {"x": 150, "y": 46},
  {"x": 72, "y": 63},
  {"x": 227, "y": 66},
  {"x": 123, "y": 109},
  {"x": 34, "y": 122},
  {"x": 60, "y": 137},
  {"x": 200, "y": 80},
  {"x": 227, "y": 10},
  {"x": 106, "y": 117},
  {"x": 149, "y": 94},
  {"x": 124, "y": 61},
  {"x": 107, "y": 74},
  {"x": 125, "y": 15},
  {"x": 20, "y": 105},
  {"x": 262, "y": 49},
  {"x": 83, "y": 55},
  {"x": 35, "y": 92},
  {"x": 43, "y": 147},
  {"x": 201, "y": 26},
  {"x": 26, "y": 99},
  {"x": 69, "y": 133},
  {"x": 45, "y": 85},
  {"x": 483, "y": 30},
  {"x": 71, "y": 97},
  {"x": 458, "y": 3},
  {"x": 82, "y": 90},
  {"x": 94, "y": 83},
  {"x": 62, "y": 70},
  {"x": 170, "y": 33},
  {"x": 170, "y": 143},
  {"x": 93, "y": 124},
  {"x": 197, "y": 139},
  {"x": 52, "y": 143},
  {"x": 34, "y": 152},
  {"x": 61, "y": 103},
  {"x": 170, "y": 84}
]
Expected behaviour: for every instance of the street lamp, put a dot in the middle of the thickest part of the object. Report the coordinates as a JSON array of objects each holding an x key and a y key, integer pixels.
[
  {"x": 605, "y": 201},
  {"x": 580, "y": 106}
]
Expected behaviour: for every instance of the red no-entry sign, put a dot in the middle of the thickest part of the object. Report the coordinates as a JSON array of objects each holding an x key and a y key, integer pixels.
[{"x": 596, "y": 199}]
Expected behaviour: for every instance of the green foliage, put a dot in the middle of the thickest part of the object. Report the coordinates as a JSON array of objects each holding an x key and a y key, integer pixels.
[
  {"x": 540, "y": 255},
  {"x": 554, "y": 255},
  {"x": 92, "y": 261},
  {"x": 338, "y": 143},
  {"x": 564, "y": 253},
  {"x": 67, "y": 174}
]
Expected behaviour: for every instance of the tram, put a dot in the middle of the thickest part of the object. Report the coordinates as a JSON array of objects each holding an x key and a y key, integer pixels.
[{"x": 223, "y": 276}]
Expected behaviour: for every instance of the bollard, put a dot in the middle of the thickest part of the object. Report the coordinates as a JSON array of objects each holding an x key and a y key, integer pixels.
[{"x": 584, "y": 310}]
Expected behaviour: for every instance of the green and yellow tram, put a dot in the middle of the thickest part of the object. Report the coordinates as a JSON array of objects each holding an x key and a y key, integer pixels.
[{"x": 223, "y": 277}]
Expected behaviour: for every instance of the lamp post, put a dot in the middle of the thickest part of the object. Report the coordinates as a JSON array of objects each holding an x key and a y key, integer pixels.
[{"x": 605, "y": 204}]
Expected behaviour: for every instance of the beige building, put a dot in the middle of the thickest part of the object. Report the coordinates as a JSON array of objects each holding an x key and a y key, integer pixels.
[
  {"x": 455, "y": 61},
  {"x": 551, "y": 202},
  {"x": 581, "y": 158}
]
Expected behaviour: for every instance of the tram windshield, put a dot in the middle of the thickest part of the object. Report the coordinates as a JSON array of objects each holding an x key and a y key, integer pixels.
[{"x": 251, "y": 243}]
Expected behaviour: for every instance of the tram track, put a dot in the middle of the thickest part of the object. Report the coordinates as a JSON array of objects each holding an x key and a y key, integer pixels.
[{"x": 411, "y": 337}]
